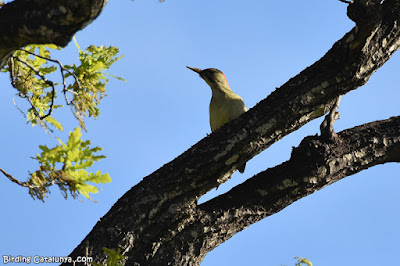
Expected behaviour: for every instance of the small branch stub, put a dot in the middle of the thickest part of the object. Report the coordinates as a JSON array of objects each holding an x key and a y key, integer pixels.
[
  {"x": 364, "y": 12},
  {"x": 327, "y": 125}
]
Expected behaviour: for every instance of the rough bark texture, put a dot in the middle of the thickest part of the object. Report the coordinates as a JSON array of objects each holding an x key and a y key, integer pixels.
[
  {"x": 316, "y": 163},
  {"x": 158, "y": 222},
  {"x": 24, "y": 22}
]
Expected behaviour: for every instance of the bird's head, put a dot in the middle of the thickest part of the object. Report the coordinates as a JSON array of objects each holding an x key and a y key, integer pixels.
[{"x": 214, "y": 77}]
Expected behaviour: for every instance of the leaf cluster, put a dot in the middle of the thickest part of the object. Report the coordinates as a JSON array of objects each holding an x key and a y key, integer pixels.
[
  {"x": 90, "y": 86},
  {"x": 114, "y": 258},
  {"x": 64, "y": 165},
  {"x": 31, "y": 67},
  {"x": 303, "y": 262},
  {"x": 28, "y": 75}
]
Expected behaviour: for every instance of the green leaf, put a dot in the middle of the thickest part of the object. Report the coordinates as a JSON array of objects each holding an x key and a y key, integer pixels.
[
  {"x": 52, "y": 46},
  {"x": 114, "y": 256},
  {"x": 301, "y": 261},
  {"x": 85, "y": 189},
  {"x": 66, "y": 165},
  {"x": 92, "y": 80},
  {"x": 100, "y": 178},
  {"x": 54, "y": 122}
]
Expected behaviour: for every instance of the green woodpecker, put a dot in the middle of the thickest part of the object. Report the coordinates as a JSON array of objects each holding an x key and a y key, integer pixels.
[{"x": 225, "y": 105}]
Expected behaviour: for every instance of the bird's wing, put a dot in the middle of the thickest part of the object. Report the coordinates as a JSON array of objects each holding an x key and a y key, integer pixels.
[{"x": 237, "y": 107}]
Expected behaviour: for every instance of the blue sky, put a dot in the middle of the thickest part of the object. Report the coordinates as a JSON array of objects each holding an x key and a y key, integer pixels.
[{"x": 162, "y": 110}]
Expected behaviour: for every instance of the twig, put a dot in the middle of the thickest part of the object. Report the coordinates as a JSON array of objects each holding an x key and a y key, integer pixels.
[
  {"x": 346, "y": 1},
  {"x": 47, "y": 82},
  {"x": 19, "y": 109},
  {"x": 25, "y": 184},
  {"x": 13, "y": 179},
  {"x": 23, "y": 95},
  {"x": 62, "y": 69},
  {"x": 12, "y": 71}
]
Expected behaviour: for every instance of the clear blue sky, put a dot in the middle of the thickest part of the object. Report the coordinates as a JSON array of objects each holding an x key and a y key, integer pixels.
[{"x": 162, "y": 110}]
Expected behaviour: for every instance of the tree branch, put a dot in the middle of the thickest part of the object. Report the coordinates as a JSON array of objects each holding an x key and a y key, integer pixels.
[
  {"x": 13, "y": 179},
  {"x": 24, "y": 22},
  {"x": 326, "y": 126},
  {"x": 164, "y": 203},
  {"x": 315, "y": 164}
]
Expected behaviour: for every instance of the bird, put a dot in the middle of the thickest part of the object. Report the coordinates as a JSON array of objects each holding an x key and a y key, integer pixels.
[{"x": 225, "y": 105}]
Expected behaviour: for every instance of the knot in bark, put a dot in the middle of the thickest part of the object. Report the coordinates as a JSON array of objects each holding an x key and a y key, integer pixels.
[{"x": 365, "y": 12}]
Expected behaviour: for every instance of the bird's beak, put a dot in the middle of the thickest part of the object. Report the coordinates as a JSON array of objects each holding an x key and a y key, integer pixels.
[{"x": 195, "y": 69}]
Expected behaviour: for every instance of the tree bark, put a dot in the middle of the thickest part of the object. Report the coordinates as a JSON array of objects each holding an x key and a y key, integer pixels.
[
  {"x": 315, "y": 164},
  {"x": 24, "y": 22},
  {"x": 158, "y": 221}
]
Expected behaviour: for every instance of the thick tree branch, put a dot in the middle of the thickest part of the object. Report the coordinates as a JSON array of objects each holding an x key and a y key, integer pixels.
[
  {"x": 315, "y": 164},
  {"x": 164, "y": 203},
  {"x": 24, "y": 22}
]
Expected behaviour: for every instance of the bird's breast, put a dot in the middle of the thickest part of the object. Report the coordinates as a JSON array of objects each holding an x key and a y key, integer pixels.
[{"x": 225, "y": 109}]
